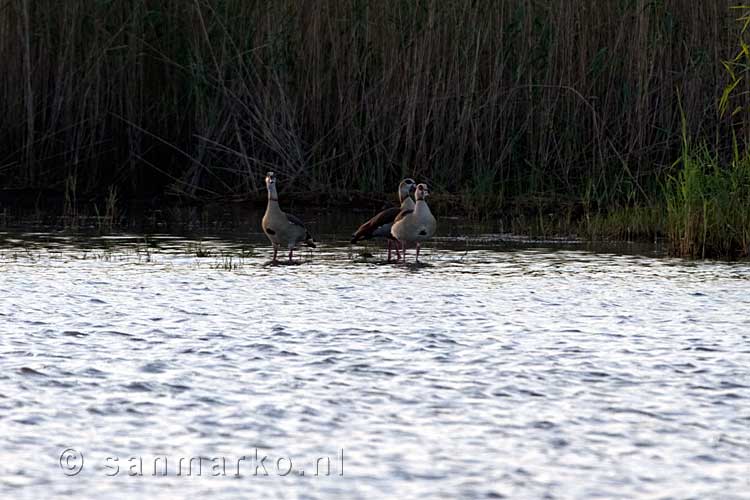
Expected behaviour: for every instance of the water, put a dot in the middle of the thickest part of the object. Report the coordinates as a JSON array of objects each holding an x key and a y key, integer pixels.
[{"x": 540, "y": 372}]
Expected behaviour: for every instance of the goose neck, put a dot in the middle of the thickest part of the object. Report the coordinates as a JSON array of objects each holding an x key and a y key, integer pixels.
[
  {"x": 421, "y": 207},
  {"x": 273, "y": 197}
]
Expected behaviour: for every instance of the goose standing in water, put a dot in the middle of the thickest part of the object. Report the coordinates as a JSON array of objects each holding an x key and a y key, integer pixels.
[
  {"x": 415, "y": 225},
  {"x": 380, "y": 225},
  {"x": 282, "y": 228}
]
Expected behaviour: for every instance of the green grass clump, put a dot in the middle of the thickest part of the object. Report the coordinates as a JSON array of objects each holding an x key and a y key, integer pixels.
[{"x": 708, "y": 205}]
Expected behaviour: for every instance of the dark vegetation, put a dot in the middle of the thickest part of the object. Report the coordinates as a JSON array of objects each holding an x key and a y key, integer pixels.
[{"x": 621, "y": 118}]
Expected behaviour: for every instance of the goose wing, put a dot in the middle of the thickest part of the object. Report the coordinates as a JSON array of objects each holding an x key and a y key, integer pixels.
[
  {"x": 403, "y": 213},
  {"x": 366, "y": 230},
  {"x": 293, "y": 219}
]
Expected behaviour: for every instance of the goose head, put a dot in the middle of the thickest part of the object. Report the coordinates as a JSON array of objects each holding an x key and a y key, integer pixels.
[
  {"x": 270, "y": 180},
  {"x": 405, "y": 188},
  {"x": 422, "y": 192}
]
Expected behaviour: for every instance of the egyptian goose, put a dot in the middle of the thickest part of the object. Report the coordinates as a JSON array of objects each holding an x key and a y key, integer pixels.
[
  {"x": 282, "y": 228},
  {"x": 380, "y": 225},
  {"x": 415, "y": 225}
]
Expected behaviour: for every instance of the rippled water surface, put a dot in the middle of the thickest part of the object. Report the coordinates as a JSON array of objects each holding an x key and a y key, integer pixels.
[{"x": 495, "y": 372}]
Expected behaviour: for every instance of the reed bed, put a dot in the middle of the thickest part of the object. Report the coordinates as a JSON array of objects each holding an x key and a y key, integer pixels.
[{"x": 494, "y": 101}]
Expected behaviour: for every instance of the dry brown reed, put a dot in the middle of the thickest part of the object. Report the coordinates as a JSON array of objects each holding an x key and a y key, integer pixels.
[{"x": 495, "y": 100}]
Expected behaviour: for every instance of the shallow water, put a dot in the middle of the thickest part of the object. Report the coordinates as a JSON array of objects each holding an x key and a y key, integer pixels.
[{"x": 493, "y": 371}]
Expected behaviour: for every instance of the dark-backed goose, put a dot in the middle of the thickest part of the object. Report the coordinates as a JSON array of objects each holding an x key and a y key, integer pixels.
[
  {"x": 415, "y": 225},
  {"x": 380, "y": 225},
  {"x": 282, "y": 228}
]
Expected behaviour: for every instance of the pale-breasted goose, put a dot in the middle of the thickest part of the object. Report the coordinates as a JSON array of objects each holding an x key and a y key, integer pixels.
[
  {"x": 380, "y": 225},
  {"x": 282, "y": 228},
  {"x": 415, "y": 225}
]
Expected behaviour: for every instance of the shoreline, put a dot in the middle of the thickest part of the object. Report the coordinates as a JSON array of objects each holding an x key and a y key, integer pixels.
[{"x": 529, "y": 216}]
